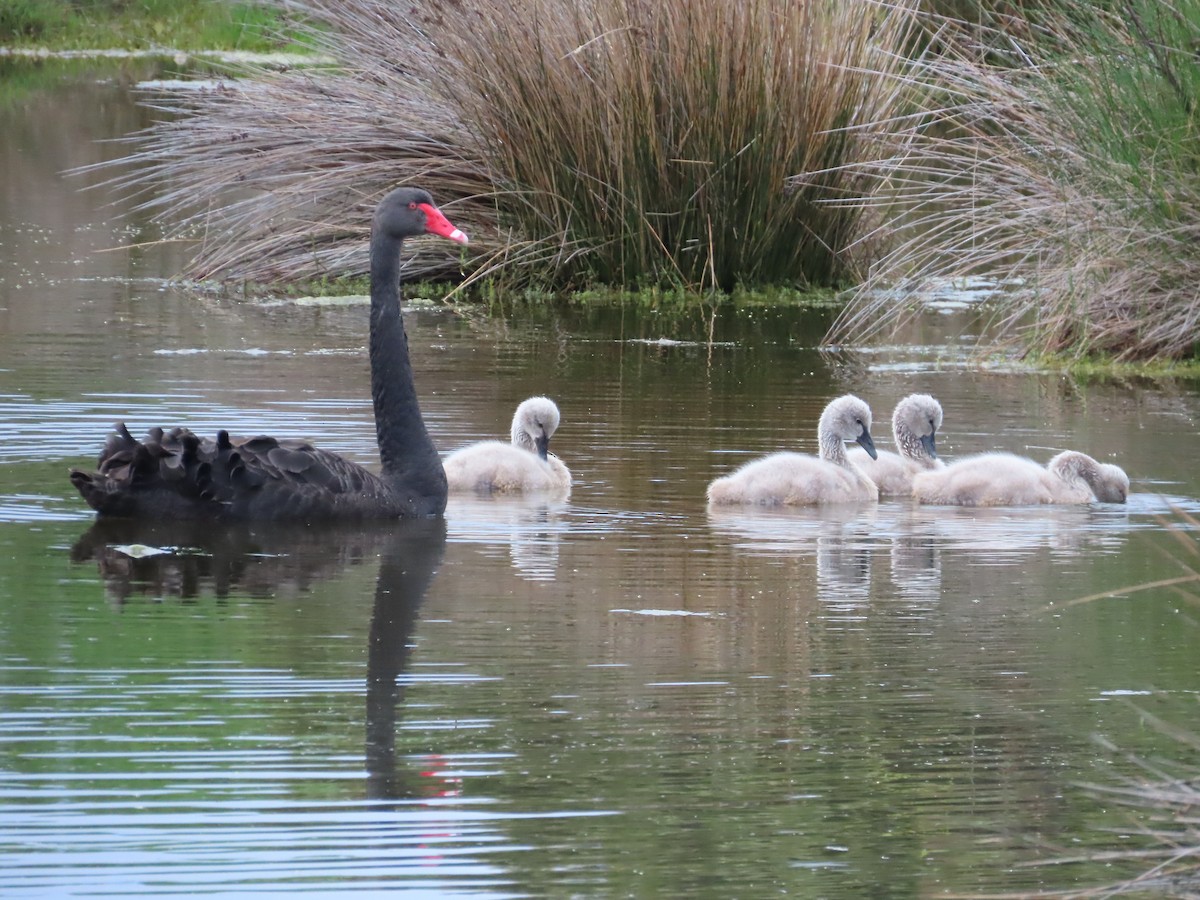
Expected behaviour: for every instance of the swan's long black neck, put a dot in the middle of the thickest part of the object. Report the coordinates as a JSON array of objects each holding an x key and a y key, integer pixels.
[{"x": 404, "y": 444}]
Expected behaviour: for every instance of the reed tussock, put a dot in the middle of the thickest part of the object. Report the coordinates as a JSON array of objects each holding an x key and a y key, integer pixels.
[
  {"x": 1068, "y": 174},
  {"x": 683, "y": 141},
  {"x": 704, "y": 143}
]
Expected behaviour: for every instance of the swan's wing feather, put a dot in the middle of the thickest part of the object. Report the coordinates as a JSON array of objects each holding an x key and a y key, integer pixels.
[
  {"x": 179, "y": 473},
  {"x": 988, "y": 479},
  {"x": 299, "y": 466}
]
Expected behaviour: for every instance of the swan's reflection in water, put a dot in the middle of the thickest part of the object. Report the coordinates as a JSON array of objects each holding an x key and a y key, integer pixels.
[
  {"x": 407, "y": 565},
  {"x": 999, "y": 535},
  {"x": 915, "y": 567},
  {"x": 186, "y": 560},
  {"x": 846, "y": 539},
  {"x": 839, "y": 535},
  {"x": 526, "y": 528},
  {"x": 190, "y": 560}
]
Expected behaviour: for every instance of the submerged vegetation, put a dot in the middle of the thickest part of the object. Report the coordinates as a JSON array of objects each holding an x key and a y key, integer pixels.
[{"x": 1051, "y": 148}]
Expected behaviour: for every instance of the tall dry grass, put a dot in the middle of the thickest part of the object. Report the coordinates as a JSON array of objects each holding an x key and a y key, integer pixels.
[
  {"x": 274, "y": 178},
  {"x": 625, "y": 142},
  {"x": 1071, "y": 174},
  {"x": 661, "y": 141}
]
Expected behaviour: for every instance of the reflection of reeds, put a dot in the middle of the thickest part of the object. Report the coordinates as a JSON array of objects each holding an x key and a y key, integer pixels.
[
  {"x": 1168, "y": 797},
  {"x": 1184, "y": 532},
  {"x": 1069, "y": 173},
  {"x": 682, "y": 142}
]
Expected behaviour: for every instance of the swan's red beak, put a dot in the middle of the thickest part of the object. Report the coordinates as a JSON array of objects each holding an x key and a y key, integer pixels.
[{"x": 436, "y": 223}]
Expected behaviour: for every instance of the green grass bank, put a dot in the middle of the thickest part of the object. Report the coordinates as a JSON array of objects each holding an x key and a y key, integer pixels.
[{"x": 145, "y": 24}]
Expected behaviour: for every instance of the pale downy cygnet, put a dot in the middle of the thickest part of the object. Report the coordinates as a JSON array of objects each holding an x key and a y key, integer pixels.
[
  {"x": 1003, "y": 479},
  {"x": 796, "y": 479},
  {"x": 523, "y": 466},
  {"x": 915, "y": 422}
]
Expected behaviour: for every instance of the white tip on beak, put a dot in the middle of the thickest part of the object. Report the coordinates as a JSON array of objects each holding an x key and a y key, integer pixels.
[{"x": 457, "y": 235}]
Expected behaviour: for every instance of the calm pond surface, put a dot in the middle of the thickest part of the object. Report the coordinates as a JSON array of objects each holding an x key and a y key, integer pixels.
[{"x": 620, "y": 695}]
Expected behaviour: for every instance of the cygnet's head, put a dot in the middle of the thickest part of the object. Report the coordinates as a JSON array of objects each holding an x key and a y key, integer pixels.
[
  {"x": 535, "y": 421},
  {"x": 915, "y": 422},
  {"x": 847, "y": 419},
  {"x": 1109, "y": 483}
]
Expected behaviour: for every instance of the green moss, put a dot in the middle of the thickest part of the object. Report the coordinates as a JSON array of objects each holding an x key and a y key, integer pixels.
[{"x": 1102, "y": 368}]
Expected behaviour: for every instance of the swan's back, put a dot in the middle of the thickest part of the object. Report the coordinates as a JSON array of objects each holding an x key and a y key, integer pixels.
[
  {"x": 790, "y": 479},
  {"x": 524, "y": 465},
  {"x": 494, "y": 467},
  {"x": 178, "y": 474},
  {"x": 915, "y": 422},
  {"x": 994, "y": 479},
  {"x": 795, "y": 479}
]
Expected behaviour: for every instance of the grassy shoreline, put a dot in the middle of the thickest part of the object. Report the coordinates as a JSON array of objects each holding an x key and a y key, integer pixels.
[{"x": 55, "y": 25}]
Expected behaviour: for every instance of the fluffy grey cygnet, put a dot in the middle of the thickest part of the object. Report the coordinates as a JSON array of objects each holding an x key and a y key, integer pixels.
[
  {"x": 915, "y": 422},
  {"x": 797, "y": 479},
  {"x": 1004, "y": 479},
  {"x": 523, "y": 466}
]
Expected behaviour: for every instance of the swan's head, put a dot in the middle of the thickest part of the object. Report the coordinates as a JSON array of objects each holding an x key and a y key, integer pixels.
[
  {"x": 848, "y": 419},
  {"x": 533, "y": 424},
  {"x": 409, "y": 211},
  {"x": 915, "y": 422},
  {"x": 1109, "y": 483}
]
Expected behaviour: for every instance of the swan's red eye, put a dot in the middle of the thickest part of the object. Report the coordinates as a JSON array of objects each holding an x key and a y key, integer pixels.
[{"x": 412, "y": 205}]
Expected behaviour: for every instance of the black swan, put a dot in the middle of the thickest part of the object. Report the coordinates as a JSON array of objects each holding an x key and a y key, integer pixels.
[
  {"x": 795, "y": 479},
  {"x": 177, "y": 474},
  {"x": 525, "y": 465}
]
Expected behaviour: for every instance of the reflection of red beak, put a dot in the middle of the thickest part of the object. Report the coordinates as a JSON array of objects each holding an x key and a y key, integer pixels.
[{"x": 436, "y": 223}]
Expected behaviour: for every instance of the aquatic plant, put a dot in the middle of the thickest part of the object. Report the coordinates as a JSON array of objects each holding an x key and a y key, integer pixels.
[
  {"x": 1069, "y": 174},
  {"x": 695, "y": 142}
]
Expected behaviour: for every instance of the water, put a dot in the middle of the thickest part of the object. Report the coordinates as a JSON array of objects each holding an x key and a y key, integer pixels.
[{"x": 616, "y": 695}]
